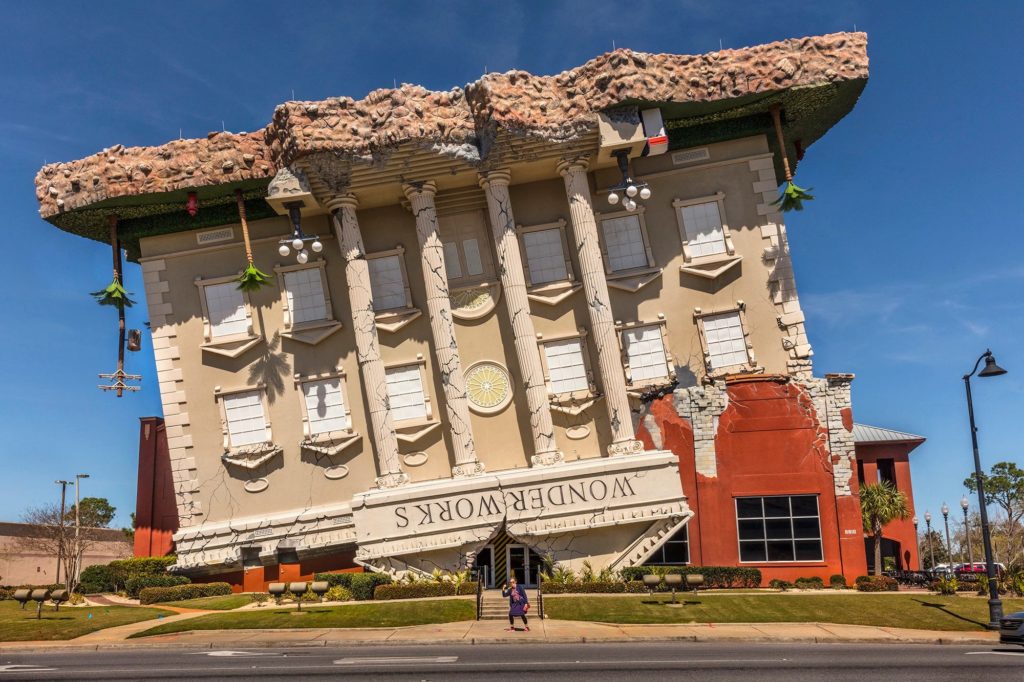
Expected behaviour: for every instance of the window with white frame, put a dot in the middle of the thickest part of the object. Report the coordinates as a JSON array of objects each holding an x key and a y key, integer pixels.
[
  {"x": 326, "y": 411},
  {"x": 406, "y": 396},
  {"x": 644, "y": 348},
  {"x": 225, "y": 304},
  {"x": 779, "y": 528},
  {"x": 387, "y": 281},
  {"x": 545, "y": 259},
  {"x": 246, "y": 421},
  {"x": 465, "y": 256},
  {"x": 305, "y": 291},
  {"x": 726, "y": 343},
  {"x": 567, "y": 368},
  {"x": 624, "y": 243},
  {"x": 702, "y": 224}
]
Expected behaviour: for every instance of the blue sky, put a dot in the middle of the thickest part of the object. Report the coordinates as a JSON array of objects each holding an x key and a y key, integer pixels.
[{"x": 909, "y": 264}]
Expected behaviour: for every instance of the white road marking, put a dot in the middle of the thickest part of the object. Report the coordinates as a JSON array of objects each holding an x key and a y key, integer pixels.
[
  {"x": 24, "y": 669},
  {"x": 400, "y": 660},
  {"x": 994, "y": 653},
  {"x": 232, "y": 654}
]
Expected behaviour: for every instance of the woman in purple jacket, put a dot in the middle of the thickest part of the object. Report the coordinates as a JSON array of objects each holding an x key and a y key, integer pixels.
[{"x": 518, "y": 604}]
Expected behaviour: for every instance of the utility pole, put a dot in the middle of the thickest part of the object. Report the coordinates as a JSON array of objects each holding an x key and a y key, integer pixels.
[
  {"x": 78, "y": 546},
  {"x": 60, "y": 538}
]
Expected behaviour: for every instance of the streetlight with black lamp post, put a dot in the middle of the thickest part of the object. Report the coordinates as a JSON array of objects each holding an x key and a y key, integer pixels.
[
  {"x": 995, "y": 605},
  {"x": 965, "y": 505},
  {"x": 931, "y": 550},
  {"x": 917, "y": 549},
  {"x": 945, "y": 518}
]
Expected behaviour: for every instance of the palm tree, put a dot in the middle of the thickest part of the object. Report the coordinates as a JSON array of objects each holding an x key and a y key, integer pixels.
[{"x": 881, "y": 503}]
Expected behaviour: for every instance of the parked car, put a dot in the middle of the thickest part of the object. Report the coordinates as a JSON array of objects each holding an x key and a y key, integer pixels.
[
  {"x": 1011, "y": 629},
  {"x": 978, "y": 567}
]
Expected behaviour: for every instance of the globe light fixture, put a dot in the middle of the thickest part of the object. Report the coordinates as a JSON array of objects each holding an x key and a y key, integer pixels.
[
  {"x": 297, "y": 240},
  {"x": 284, "y": 250},
  {"x": 317, "y": 246},
  {"x": 297, "y": 244},
  {"x": 302, "y": 256},
  {"x": 627, "y": 186}
]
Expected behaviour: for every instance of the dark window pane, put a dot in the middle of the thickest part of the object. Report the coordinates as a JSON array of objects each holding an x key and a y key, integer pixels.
[
  {"x": 780, "y": 550},
  {"x": 681, "y": 535},
  {"x": 748, "y": 507},
  {"x": 657, "y": 558},
  {"x": 752, "y": 530},
  {"x": 752, "y": 551},
  {"x": 805, "y": 505},
  {"x": 776, "y": 506},
  {"x": 778, "y": 529},
  {"x": 805, "y": 528},
  {"x": 808, "y": 550},
  {"x": 676, "y": 553}
]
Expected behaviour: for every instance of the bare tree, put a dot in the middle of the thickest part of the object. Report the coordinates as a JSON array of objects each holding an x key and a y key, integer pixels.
[{"x": 54, "y": 535}]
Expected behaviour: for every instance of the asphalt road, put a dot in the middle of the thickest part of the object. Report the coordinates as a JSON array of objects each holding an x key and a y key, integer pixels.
[{"x": 661, "y": 661}]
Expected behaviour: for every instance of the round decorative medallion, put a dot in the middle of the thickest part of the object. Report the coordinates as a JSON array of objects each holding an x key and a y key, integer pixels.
[
  {"x": 577, "y": 432},
  {"x": 335, "y": 472},
  {"x": 256, "y": 485},
  {"x": 488, "y": 387},
  {"x": 415, "y": 459}
]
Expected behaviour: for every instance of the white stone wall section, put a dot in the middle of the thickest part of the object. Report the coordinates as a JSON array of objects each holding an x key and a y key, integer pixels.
[{"x": 702, "y": 406}]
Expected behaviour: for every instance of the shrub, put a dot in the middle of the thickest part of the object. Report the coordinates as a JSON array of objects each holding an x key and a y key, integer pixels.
[
  {"x": 134, "y": 586},
  {"x": 635, "y": 587},
  {"x": 262, "y": 598},
  {"x": 812, "y": 583},
  {"x": 362, "y": 585},
  {"x": 96, "y": 579},
  {"x": 158, "y": 595},
  {"x": 337, "y": 593},
  {"x": 777, "y": 584},
  {"x": 876, "y": 583},
  {"x": 946, "y": 585},
  {"x": 714, "y": 576},
  {"x": 837, "y": 582},
  {"x": 593, "y": 587},
  {"x": 421, "y": 589},
  {"x": 122, "y": 570},
  {"x": 6, "y": 593}
]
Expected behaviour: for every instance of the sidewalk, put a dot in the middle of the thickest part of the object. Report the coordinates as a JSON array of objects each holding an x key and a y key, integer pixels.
[{"x": 492, "y": 632}]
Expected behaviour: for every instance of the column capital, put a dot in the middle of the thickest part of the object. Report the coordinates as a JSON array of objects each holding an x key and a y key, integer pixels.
[
  {"x": 576, "y": 163},
  {"x": 499, "y": 177},
  {"x": 426, "y": 188},
  {"x": 336, "y": 201}
]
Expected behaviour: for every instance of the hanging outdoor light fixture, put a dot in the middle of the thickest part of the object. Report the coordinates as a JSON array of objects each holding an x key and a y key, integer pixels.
[
  {"x": 629, "y": 188},
  {"x": 297, "y": 241}
]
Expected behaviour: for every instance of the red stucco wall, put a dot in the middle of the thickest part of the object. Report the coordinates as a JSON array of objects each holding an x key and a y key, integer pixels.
[
  {"x": 900, "y": 531},
  {"x": 769, "y": 442}
]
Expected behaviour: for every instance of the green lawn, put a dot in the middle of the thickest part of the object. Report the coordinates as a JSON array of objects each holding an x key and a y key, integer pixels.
[
  {"x": 368, "y": 615},
  {"x": 923, "y": 611},
  {"x": 225, "y": 603},
  {"x": 19, "y": 626}
]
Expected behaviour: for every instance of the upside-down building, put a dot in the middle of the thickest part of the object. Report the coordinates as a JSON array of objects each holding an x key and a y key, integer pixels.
[{"x": 534, "y": 316}]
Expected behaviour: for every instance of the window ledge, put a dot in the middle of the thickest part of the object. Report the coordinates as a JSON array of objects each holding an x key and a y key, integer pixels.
[
  {"x": 474, "y": 301},
  {"x": 573, "y": 406},
  {"x": 410, "y": 433},
  {"x": 553, "y": 293},
  {"x": 723, "y": 372},
  {"x": 251, "y": 456},
  {"x": 330, "y": 444},
  {"x": 393, "y": 320},
  {"x": 312, "y": 332},
  {"x": 232, "y": 346},
  {"x": 633, "y": 280},
  {"x": 638, "y": 390},
  {"x": 710, "y": 267}
]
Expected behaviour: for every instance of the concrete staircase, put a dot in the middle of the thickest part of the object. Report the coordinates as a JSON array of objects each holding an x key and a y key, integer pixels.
[{"x": 495, "y": 607}]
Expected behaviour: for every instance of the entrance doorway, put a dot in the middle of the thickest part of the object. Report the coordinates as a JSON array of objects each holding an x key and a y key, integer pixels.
[
  {"x": 485, "y": 565},
  {"x": 523, "y": 563}
]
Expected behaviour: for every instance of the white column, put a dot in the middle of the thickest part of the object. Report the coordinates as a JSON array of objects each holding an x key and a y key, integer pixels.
[
  {"x": 513, "y": 281},
  {"x": 595, "y": 287},
  {"x": 364, "y": 326},
  {"x": 442, "y": 327}
]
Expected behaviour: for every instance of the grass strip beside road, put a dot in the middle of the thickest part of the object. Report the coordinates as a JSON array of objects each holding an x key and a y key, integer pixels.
[
  {"x": 918, "y": 611},
  {"x": 368, "y": 615},
  {"x": 21, "y": 626},
  {"x": 225, "y": 603}
]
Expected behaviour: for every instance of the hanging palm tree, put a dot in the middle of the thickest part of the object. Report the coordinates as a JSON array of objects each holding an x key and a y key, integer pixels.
[
  {"x": 881, "y": 503},
  {"x": 114, "y": 295},
  {"x": 252, "y": 278},
  {"x": 793, "y": 196}
]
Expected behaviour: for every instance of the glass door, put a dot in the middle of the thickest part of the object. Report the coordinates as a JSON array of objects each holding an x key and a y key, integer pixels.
[
  {"x": 519, "y": 564},
  {"x": 485, "y": 565}
]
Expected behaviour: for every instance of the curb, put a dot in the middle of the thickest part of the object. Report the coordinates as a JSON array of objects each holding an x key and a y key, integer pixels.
[{"x": 11, "y": 647}]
